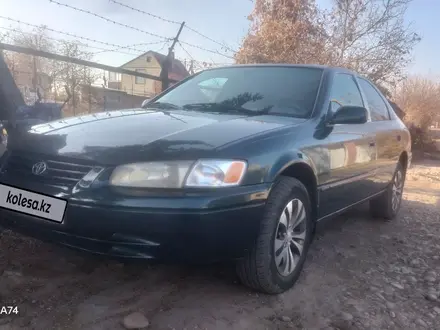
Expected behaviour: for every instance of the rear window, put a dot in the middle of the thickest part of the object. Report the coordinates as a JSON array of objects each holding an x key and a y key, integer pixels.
[{"x": 289, "y": 91}]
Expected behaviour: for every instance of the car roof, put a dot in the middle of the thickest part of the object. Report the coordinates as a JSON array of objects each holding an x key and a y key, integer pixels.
[{"x": 287, "y": 65}]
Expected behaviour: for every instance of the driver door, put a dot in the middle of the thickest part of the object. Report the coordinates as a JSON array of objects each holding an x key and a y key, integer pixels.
[{"x": 352, "y": 153}]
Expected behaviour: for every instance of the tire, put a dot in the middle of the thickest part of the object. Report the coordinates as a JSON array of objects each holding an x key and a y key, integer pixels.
[
  {"x": 382, "y": 206},
  {"x": 258, "y": 269}
]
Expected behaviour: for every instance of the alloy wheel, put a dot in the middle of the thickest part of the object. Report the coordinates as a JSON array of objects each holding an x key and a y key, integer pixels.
[
  {"x": 397, "y": 190},
  {"x": 290, "y": 237}
]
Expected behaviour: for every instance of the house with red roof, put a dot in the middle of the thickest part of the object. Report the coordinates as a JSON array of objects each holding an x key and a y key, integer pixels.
[{"x": 151, "y": 63}]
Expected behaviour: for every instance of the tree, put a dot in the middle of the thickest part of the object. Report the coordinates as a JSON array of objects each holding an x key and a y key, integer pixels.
[
  {"x": 64, "y": 78},
  {"x": 3, "y": 36},
  {"x": 368, "y": 36},
  {"x": 289, "y": 31},
  {"x": 37, "y": 39},
  {"x": 419, "y": 98},
  {"x": 72, "y": 76},
  {"x": 371, "y": 37},
  {"x": 33, "y": 67}
]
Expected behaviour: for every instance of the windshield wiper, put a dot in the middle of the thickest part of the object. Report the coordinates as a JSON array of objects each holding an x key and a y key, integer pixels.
[
  {"x": 224, "y": 107},
  {"x": 161, "y": 105}
]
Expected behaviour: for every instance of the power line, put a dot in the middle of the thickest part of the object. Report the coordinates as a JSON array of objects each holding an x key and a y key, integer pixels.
[
  {"x": 109, "y": 20},
  {"x": 144, "y": 12},
  {"x": 101, "y": 50},
  {"x": 173, "y": 22},
  {"x": 206, "y": 37},
  {"x": 206, "y": 50},
  {"x": 116, "y": 50},
  {"x": 72, "y": 35},
  {"x": 163, "y": 46},
  {"x": 192, "y": 61},
  {"x": 187, "y": 53},
  {"x": 82, "y": 44},
  {"x": 74, "y": 60}
]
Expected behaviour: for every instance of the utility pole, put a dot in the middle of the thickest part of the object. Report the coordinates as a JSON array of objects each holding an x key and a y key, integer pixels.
[{"x": 168, "y": 61}]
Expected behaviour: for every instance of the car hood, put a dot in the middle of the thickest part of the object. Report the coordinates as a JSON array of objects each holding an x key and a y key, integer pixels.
[{"x": 143, "y": 135}]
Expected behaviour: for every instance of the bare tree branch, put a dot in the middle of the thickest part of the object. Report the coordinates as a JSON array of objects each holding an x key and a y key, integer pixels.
[{"x": 368, "y": 36}]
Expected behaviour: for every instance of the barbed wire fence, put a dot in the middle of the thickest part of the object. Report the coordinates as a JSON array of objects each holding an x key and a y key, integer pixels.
[
  {"x": 81, "y": 85},
  {"x": 62, "y": 69}
]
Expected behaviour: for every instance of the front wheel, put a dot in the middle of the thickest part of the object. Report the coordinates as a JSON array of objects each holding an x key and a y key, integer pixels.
[
  {"x": 274, "y": 263},
  {"x": 387, "y": 205}
]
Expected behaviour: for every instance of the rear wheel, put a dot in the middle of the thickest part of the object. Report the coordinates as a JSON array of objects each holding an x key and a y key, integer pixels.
[
  {"x": 387, "y": 205},
  {"x": 274, "y": 263}
]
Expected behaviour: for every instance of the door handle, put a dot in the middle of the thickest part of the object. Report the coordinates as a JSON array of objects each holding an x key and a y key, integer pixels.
[
  {"x": 399, "y": 137},
  {"x": 372, "y": 144}
]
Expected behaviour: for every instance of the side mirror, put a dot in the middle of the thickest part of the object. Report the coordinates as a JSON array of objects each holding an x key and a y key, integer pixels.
[{"x": 349, "y": 115}]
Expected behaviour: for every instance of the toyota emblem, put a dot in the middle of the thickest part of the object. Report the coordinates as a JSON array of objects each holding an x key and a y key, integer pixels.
[{"x": 39, "y": 168}]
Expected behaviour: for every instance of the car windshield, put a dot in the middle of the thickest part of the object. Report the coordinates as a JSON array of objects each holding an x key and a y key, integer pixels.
[{"x": 286, "y": 91}]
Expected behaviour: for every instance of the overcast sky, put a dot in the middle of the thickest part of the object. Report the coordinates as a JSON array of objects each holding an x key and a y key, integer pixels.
[{"x": 221, "y": 20}]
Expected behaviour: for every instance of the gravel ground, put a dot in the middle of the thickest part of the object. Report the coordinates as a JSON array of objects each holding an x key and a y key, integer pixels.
[{"x": 360, "y": 274}]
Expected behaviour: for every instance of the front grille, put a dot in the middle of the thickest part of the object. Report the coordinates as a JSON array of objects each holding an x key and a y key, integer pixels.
[{"x": 59, "y": 172}]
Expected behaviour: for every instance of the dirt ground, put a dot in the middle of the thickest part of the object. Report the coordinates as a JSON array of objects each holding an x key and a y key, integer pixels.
[{"x": 360, "y": 274}]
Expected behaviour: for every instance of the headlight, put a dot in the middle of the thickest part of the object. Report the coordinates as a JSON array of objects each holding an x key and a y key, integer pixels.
[
  {"x": 216, "y": 173},
  {"x": 204, "y": 173},
  {"x": 150, "y": 175}
]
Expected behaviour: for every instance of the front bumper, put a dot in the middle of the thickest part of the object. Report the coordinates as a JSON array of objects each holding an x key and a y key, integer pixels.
[{"x": 188, "y": 227}]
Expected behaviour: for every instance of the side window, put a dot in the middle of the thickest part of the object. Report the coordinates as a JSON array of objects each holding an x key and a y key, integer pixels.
[
  {"x": 344, "y": 92},
  {"x": 378, "y": 107}
]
